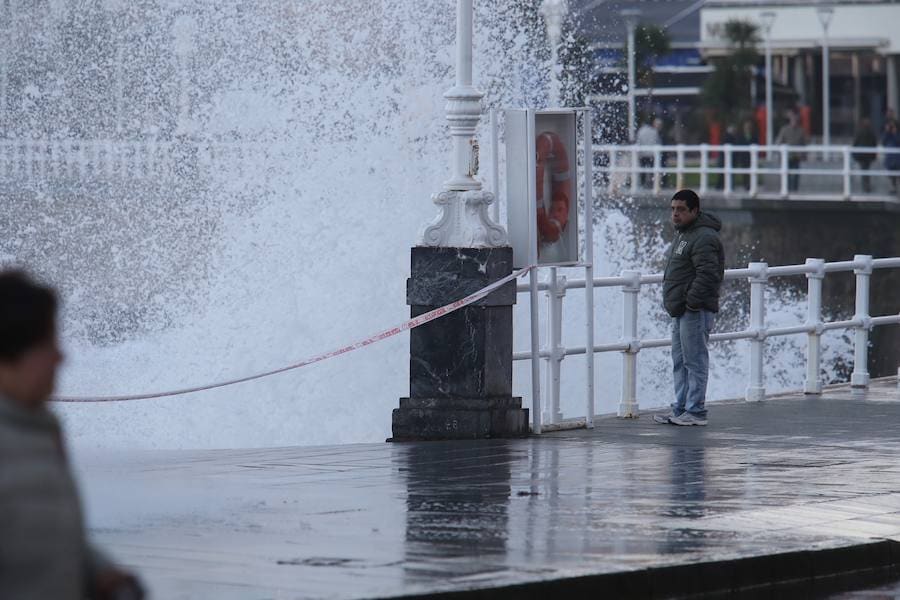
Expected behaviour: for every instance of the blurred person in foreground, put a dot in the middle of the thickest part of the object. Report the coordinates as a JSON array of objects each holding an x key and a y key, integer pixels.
[{"x": 44, "y": 552}]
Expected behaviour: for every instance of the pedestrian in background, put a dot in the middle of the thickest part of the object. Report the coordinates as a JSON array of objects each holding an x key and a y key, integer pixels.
[
  {"x": 648, "y": 135},
  {"x": 792, "y": 134},
  {"x": 729, "y": 139},
  {"x": 691, "y": 283},
  {"x": 891, "y": 139},
  {"x": 865, "y": 138},
  {"x": 44, "y": 552},
  {"x": 746, "y": 137}
]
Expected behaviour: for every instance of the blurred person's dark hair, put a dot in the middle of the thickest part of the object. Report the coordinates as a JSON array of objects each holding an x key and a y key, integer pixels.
[{"x": 27, "y": 314}]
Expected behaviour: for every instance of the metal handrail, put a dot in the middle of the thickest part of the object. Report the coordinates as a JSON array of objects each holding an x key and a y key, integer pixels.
[
  {"x": 758, "y": 275},
  {"x": 761, "y": 160}
]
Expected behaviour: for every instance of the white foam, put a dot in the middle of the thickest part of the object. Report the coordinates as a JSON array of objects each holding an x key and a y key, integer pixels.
[{"x": 297, "y": 238}]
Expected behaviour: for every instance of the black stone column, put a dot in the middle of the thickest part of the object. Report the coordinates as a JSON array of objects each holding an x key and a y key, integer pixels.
[{"x": 460, "y": 367}]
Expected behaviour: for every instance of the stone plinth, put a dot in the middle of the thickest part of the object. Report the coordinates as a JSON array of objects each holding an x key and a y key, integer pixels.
[{"x": 460, "y": 371}]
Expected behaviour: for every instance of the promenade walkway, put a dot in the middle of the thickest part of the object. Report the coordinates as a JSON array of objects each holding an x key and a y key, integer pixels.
[{"x": 801, "y": 491}]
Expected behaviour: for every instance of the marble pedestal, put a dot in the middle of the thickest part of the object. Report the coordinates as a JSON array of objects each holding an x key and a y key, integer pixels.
[{"x": 460, "y": 371}]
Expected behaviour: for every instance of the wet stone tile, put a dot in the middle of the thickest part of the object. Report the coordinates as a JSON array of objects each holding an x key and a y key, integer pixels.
[{"x": 382, "y": 520}]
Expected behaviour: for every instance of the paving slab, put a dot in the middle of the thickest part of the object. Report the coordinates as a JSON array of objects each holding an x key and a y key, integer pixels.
[{"x": 602, "y": 509}]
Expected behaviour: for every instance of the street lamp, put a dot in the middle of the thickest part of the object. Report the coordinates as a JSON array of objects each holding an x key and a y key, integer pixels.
[
  {"x": 768, "y": 19},
  {"x": 554, "y": 13},
  {"x": 465, "y": 360},
  {"x": 825, "y": 14},
  {"x": 464, "y": 221},
  {"x": 631, "y": 17}
]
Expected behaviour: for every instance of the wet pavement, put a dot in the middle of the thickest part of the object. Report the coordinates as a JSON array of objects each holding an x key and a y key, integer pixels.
[
  {"x": 886, "y": 592},
  {"x": 790, "y": 474}
]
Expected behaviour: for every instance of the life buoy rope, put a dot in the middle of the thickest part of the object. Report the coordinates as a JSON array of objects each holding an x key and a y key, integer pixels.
[{"x": 552, "y": 223}]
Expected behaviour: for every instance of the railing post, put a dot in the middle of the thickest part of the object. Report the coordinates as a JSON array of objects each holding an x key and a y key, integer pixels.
[
  {"x": 728, "y": 176},
  {"x": 588, "y": 269},
  {"x": 814, "y": 320},
  {"x": 754, "y": 167},
  {"x": 784, "y": 171},
  {"x": 32, "y": 161},
  {"x": 68, "y": 157},
  {"x": 704, "y": 165},
  {"x": 657, "y": 164},
  {"x": 679, "y": 167},
  {"x": 756, "y": 390},
  {"x": 42, "y": 148},
  {"x": 846, "y": 166},
  {"x": 110, "y": 157},
  {"x": 555, "y": 293},
  {"x": 535, "y": 351},
  {"x": 79, "y": 158},
  {"x": 635, "y": 174},
  {"x": 863, "y": 270},
  {"x": 628, "y": 406},
  {"x": 52, "y": 157},
  {"x": 611, "y": 171},
  {"x": 13, "y": 159}
]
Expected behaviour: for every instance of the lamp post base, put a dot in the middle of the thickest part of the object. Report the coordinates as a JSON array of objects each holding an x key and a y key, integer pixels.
[
  {"x": 460, "y": 367},
  {"x": 459, "y": 419}
]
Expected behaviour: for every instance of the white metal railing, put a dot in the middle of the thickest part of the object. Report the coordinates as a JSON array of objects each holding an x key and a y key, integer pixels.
[
  {"x": 758, "y": 274},
  {"x": 763, "y": 171},
  {"x": 778, "y": 171},
  {"x": 27, "y": 160}
]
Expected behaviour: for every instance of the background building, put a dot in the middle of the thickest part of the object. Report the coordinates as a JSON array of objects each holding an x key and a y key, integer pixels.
[{"x": 863, "y": 39}]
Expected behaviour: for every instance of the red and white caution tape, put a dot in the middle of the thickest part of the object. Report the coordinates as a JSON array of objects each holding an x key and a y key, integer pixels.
[{"x": 382, "y": 335}]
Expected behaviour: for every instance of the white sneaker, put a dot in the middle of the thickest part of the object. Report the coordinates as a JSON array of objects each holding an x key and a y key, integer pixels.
[
  {"x": 665, "y": 418},
  {"x": 687, "y": 419}
]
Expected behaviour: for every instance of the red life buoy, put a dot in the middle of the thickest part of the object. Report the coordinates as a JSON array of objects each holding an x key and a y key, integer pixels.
[{"x": 552, "y": 223}]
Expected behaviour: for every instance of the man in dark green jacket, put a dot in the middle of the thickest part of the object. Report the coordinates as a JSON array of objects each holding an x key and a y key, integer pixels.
[{"x": 694, "y": 273}]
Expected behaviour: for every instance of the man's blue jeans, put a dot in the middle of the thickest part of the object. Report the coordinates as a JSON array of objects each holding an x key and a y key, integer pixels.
[{"x": 690, "y": 361}]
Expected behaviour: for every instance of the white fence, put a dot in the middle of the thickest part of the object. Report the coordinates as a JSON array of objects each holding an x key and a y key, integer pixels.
[
  {"x": 25, "y": 160},
  {"x": 765, "y": 171},
  {"x": 34, "y": 160},
  {"x": 754, "y": 171},
  {"x": 630, "y": 345}
]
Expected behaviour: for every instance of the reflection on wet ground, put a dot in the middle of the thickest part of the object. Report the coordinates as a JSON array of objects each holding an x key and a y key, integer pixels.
[{"x": 380, "y": 520}]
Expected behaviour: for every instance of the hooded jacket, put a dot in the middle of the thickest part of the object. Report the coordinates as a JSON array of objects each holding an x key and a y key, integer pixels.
[
  {"x": 44, "y": 551},
  {"x": 695, "y": 268}
]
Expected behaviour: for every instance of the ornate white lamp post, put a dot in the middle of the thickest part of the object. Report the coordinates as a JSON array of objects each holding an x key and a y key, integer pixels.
[
  {"x": 825, "y": 14},
  {"x": 554, "y": 13},
  {"x": 460, "y": 368},
  {"x": 768, "y": 19},
  {"x": 631, "y": 16},
  {"x": 464, "y": 220}
]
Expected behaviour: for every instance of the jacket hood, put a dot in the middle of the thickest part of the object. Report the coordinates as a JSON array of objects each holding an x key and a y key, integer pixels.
[{"x": 704, "y": 219}]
